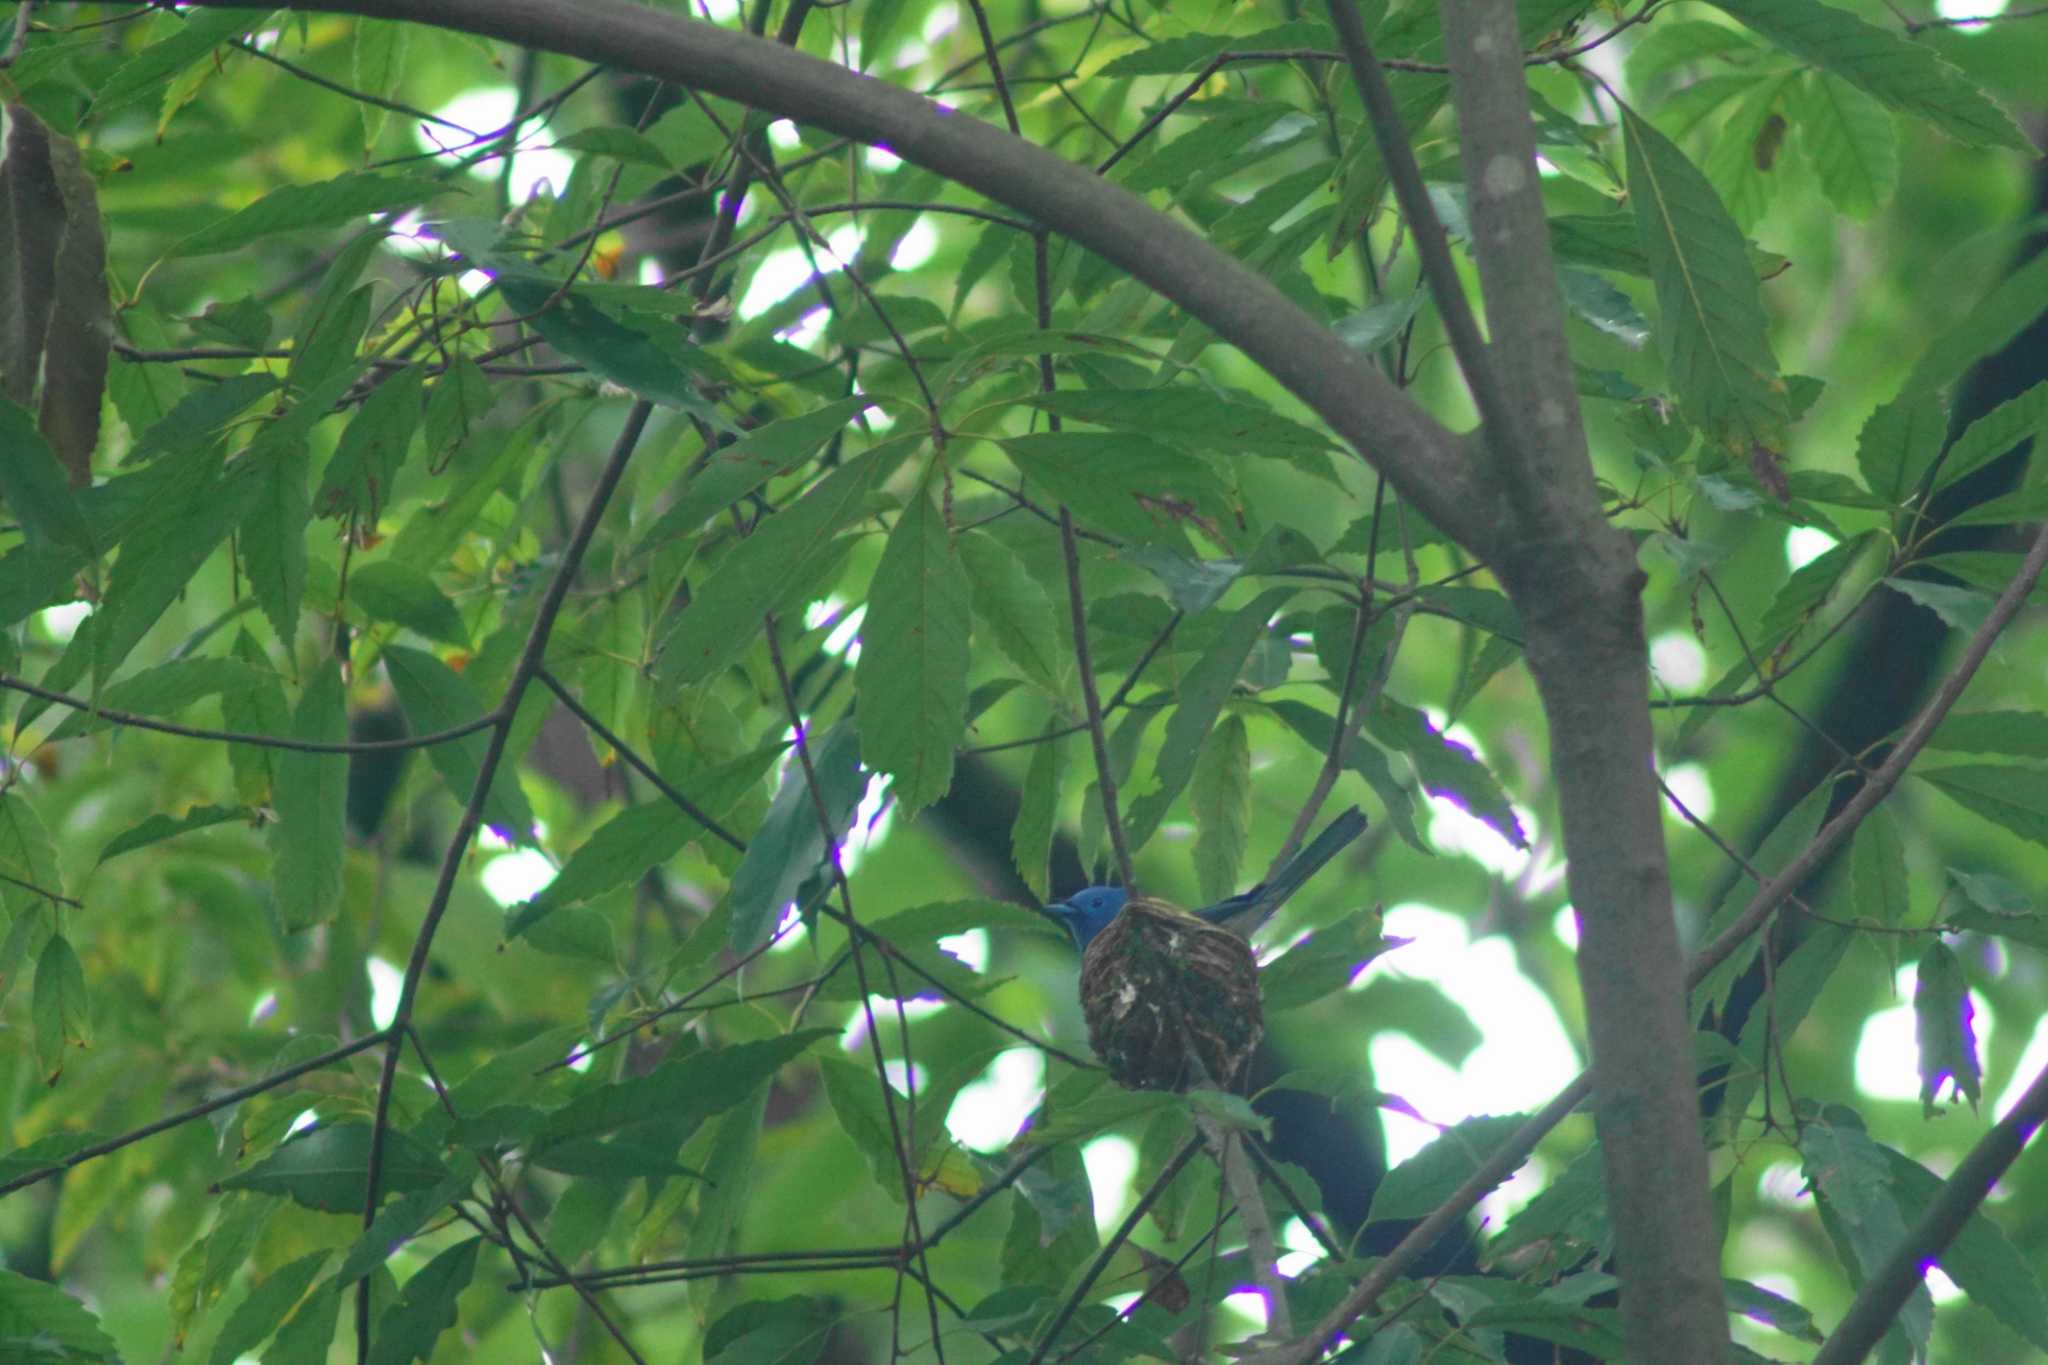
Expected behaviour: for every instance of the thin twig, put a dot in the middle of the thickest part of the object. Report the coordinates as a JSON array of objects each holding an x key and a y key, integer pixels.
[{"x": 1105, "y": 773}]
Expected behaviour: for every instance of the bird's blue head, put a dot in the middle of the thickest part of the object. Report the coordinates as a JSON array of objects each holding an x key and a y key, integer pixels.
[{"x": 1087, "y": 913}]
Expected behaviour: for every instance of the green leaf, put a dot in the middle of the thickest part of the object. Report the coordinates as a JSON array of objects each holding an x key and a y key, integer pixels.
[
  {"x": 620, "y": 144},
  {"x": 627, "y": 356},
  {"x": 679, "y": 1091},
  {"x": 1186, "y": 415},
  {"x": 309, "y": 1333},
  {"x": 1015, "y": 608},
  {"x": 1192, "y": 51},
  {"x": 34, "y": 486},
  {"x": 339, "y": 202},
  {"x": 396, "y": 1223},
  {"x": 638, "y": 838},
  {"x": 1419, "y": 1184},
  {"x": 40, "y": 1322},
  {"x": 1446, "y": 767},
  {"x": 1995, "y": 433},
  {"x": 358, "y": 479},
  {"x": 785, "y": 551},
  {"x": 1115, "y": 483},
  {"x": 1908, "y": 76},
  {"x": 1710, "y": 317},
  {"x": 162, "y": 691},
  {"x": 390, "y": 591},
  {"x": 1201, "y": 697},
  {"x": 377, "y": 63},
  {"x": 436, "y": 697},
  {"x": 2014, "y": 797},
  {"x": 1220, "y": 794},
  {"x": 772, "y": 1331},
  {"x": 1944, "y": 1024},
  {"x": 62, "y": 1013},
  {"x": 1877, "y": 871},
  {"x": 158, "y": 828},
  {"x": 1982, "y": 1260},
  {"x": 28, "y": 859},
  {"x": 191, "y": 37},
  {"x": 1849, "y": 140},
  {"x": 258, "y": 709},
  {"x": 170, "y": 540},
  {"x": 1998, "y": 317},
  {"x": 912, "y": 676},
  {"x": 200, "y": 415},
  {"x": 425, "y": 1307},
  {"x": 790, "y": 848},
  {"x": 459, "y": 397},
  {"x": 1963, "y": 609},
  {"x": 325, "y": 1167},
  {"x": 732, "y": 472},
  {"x": 1323, "y": 963},
  {"x": 1899, "y": 442},
  {"x": 1852, "y": 1182},
  {"x": 2016, "y": 734},
  {"x": 864, "y": 1118},
  {"x": 311, "y": 798},
  {"x": 258, "y": 1315},
  {"x": 1774, "y": 1310},
  {"x": 1037, "y": 815}
]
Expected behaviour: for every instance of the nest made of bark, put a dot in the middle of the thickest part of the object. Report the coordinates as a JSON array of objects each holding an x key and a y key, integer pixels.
[{"x": 1171, "y": 1000}]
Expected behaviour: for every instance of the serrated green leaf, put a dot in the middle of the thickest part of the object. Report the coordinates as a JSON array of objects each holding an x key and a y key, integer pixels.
[
  {"x": 911, "y": 680},
  {"x": 201, "y": 414},
  {"x": 1945, "y": 1028},
  {"x": 680, "y": 1091},
  {"x": 339, "y": 202},
  {"x": 1860, "y": 1209},
  {"x": 864, "y": 1118},
  {"x": 1201, "y": 696},
  {"x": 1037, "y": 816},
  {"x": 62, "y": 1013},
  {"x": 1995, "y": 433},
  {"x": 1446, "y": 767},
  {"x": 311, "y": 799},
  {"x": 1323, "y": 963},
  {"x": 1899, "y": 442},
  {"x": 1999, "y": 316},
  {"x": 790, "y": 849},
  {"x": 1419, "y": 1184},
  {"x": 1710, "y": 317},
  {"x": 39, "y": 1322},
  {"x": 426, "y": 1306},
  {"x": 1220, "y": 794},
  {"x": 734, "y": 471},
  {"x": 162, "y": 691},
  {"x": 1117, "y": 483},
  {"x": 436, "y": 697},
  {"x": 1963, "y": 609},
  {"x": 390, "y": 591},
  {"x": 158, "y": 828},
  {"x": 1849, "y": 140},
  {"x": 1982, "y": 1259},
  {"x": 190, "y": 38},
  {"x": 593, "y": 338},
  {"x": 638, "y": 838},
  {"x": 1910, "y": 77},
  {"x": 1877, "y": 871},
  {"x": 1016, "y": 609},
  {"x": 160, "y": 553},
  {"x": 620, "y": 144},
  {"x": 358, "y": 479},
  {"x": 2016, "y": 734},
  {"x": 258, "y": 1315},
  {"x": 768, "y": 1331},
  {"x": 325, "y": 1167},
  {"x": 1741, "y": 160},
  {"x": 377, "y": 64},
  {"x": 784, "y": 551},
  {"x": 34, "y": 487},
  {"x": 1187, "y": 415},
  {"x": 2011, "y": 796}
]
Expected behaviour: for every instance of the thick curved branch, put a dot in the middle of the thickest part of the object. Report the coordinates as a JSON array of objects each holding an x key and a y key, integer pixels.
[{"x": 1426, "y": 463}]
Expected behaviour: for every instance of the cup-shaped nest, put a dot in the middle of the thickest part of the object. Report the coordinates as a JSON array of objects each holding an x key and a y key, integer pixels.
[{"x": 1171, "y": 1000}]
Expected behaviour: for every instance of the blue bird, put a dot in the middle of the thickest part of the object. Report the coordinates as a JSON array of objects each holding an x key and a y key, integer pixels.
[{"x": 1088, "y": 912}]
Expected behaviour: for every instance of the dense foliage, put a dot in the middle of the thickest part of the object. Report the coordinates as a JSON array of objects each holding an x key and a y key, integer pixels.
[{"x": 438, "y": 527}]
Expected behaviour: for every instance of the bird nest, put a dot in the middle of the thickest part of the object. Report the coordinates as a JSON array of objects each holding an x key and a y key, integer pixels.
[{"x": 1170, "y": 999}]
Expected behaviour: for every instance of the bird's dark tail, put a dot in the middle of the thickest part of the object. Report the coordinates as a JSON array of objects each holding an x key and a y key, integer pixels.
[{"x": 1247, "y": 911}]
